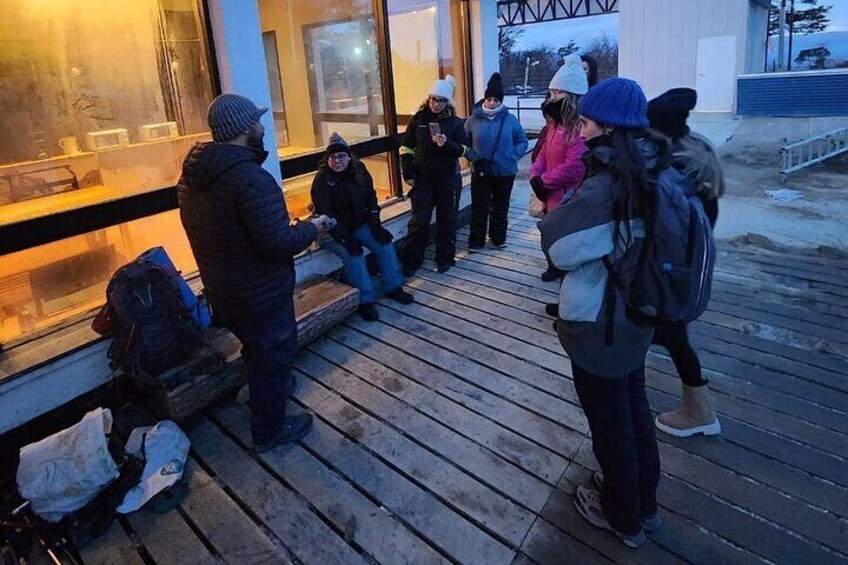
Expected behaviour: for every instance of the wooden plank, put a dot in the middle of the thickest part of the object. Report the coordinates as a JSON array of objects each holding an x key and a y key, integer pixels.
[
  {"x": 499, "y": 516},
  {"x": 807, "y": 376},
  {"x": 377, "y": 341},
  {"x": 765, "y": 442},
  {"x": 728, "y": 330},
  {"x": 822, "y": 460},
  {"x": 546, "y": 545},
  {"x": 788, "y": 426},
  {"x": 769, "y": 471},
  {"x": 811, "y": 523},
  {"x": 498, "y": 438},
  {"x": 811, "y": 278},
  {"x": 793, "y": 323},
  {"x": 781, "y": 308},
  {"x": 401, "y": 497},
  {"x": 508, "y": 479},
  {"x": 532, "y": 399},
  {"x": 502, "y": 268},
  {"x": 112, "y": 548},
  {"x": 738, "y": 389},
  {"x": 361, "y": 520},
  {"x": 500, "y": 309},
  {"x": 679, "y": 537},
  {"x": 235, "y": 537},
  {"x": 168, "y": 539},
  {"x": 287, "y": 515},
  {"x": 555, "y": 390}
]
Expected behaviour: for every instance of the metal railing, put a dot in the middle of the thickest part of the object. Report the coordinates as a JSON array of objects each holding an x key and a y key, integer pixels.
[
  {"x": 530, "y": 105},
  {"x": 801, "y": 154}
]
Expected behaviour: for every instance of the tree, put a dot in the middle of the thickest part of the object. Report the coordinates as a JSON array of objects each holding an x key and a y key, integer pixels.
[
  {"x": 815, "y": 57},
  {"x": 805, "y": 19},
  {"x": 508, "y": 36},
  {"x": 572, "y": 47}
]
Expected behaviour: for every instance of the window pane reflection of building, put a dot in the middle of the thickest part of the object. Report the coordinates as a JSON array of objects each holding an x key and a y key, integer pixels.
[
  {"x": 428, "y": 42},
  {"x": 328, "y": 72},
  {"x": 99, "y": 100},
  {"x": 46, "y": 285},
  {"x": 298, "y": 189}
]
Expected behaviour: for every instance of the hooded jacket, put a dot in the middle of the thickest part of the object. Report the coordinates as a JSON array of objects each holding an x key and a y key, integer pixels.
[
  {"x": 482, "y": 130},
  {"x": 576, "y": 236},
  {"x": 348, "y": 197},
  {"x": 237, "y": 224},
  {"x": 559, "y": 164}
]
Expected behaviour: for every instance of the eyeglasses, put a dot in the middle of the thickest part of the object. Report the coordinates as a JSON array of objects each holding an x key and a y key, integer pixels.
[
  {"x": 438, "y": 100},
  {"x": 339, "y": 157}
]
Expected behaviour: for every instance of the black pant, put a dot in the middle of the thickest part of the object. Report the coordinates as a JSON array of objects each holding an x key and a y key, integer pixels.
[
  {"x": 268, "y": 349},
  {"x": 624, "y": 443},
  {"x": 675, "y": 338},
  {"x": 489, "y": 207},
  {"x": 443, "y": 195}
]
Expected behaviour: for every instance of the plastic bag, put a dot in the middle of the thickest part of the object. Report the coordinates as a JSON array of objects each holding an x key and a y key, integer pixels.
[
  {"x": 165, "y": 450},
  {"x": 63, "y": 472}
]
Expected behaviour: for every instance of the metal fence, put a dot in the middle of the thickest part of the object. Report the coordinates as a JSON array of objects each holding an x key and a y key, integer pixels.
[{"x": 528, "y": 109}]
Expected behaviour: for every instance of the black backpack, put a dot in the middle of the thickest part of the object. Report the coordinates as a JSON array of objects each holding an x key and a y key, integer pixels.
[
  {"x": 669, "y": 277},
  {"x": 153, "y": 329}
]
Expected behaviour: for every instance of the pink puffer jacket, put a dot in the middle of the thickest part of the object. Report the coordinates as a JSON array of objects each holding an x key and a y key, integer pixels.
[{"x": 559, "y": 164}]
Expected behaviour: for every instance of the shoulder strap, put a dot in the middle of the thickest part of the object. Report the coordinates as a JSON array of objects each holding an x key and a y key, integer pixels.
[{"x": 498, "y": 137}]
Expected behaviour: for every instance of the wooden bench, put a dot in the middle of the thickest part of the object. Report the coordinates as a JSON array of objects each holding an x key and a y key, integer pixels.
[{"x": 319, "y": 305}]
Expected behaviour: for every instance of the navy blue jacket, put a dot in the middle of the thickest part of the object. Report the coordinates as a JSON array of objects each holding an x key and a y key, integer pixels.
[{"x": 237, "y": 224}]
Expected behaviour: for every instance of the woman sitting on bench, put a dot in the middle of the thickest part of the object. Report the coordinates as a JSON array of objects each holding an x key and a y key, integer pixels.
[{"x": 344, "y": 190}]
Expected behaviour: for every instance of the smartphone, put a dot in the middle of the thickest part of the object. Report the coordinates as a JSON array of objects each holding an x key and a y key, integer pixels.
[{"x": 435, "y": 129}]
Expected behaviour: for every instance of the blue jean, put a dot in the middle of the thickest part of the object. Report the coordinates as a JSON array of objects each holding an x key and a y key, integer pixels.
[{"x": 357, "y": 271}]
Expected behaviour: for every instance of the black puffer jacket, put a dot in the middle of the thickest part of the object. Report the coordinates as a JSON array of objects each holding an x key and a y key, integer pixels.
[
  {"x": 420, "y": 157},
  {"x": 238, "y": 227},
  {"x": 348, "y": 197}
]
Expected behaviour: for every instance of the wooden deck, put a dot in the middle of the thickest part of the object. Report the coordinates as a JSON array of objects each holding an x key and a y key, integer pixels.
[{"x": 450, "y": 432}]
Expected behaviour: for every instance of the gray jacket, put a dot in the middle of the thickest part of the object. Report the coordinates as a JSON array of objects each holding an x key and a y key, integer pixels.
[{"x": 577, "y": 236}]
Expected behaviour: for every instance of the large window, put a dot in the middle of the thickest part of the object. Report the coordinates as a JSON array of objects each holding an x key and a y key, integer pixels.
[
  {"x": 98, "y": 101},
  {"x": 429, "y": 41},
  {"x": 324, "y": 68}
]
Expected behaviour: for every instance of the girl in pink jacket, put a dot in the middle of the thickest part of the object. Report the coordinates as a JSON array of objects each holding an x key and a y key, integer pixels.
[
  {"x": 558, "y": 171},
  {"x": 559, "y": 168}
]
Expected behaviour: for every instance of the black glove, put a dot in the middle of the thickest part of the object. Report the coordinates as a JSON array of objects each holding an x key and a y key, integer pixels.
[
  {"x": 380, "y": 233},
  {"x": 538, "y": 187},
  {"x": 354, "y": 248}
]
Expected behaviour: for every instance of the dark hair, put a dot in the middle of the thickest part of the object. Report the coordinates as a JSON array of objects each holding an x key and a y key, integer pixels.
[
  {"x": 630, "y": 192},
  {"x": 592, "y": 76}
]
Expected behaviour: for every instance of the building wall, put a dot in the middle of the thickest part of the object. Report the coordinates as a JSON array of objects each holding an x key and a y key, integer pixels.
[{"x": 658, "y": 41}]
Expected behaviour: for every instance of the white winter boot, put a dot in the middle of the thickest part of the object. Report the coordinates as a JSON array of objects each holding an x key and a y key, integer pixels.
[{"x": 696, "y": 416}]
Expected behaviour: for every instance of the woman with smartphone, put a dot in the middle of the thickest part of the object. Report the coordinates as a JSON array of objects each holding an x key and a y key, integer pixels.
[
  {"x": 430, "y": 151},
  {"x": 343, "y": 190}
]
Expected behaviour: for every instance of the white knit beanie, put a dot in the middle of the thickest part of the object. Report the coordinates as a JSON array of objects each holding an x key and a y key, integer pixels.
[
  {"x": 571, "y": 77},
  {"x": 444, "y": 87}
]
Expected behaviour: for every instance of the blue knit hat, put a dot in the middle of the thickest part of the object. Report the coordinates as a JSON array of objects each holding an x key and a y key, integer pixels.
[
  {"x": 617, "y": 102},
  {"x": 231, "y": 115}
]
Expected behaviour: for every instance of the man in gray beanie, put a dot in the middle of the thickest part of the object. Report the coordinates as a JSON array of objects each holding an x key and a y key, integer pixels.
[{"x": 236, "y": 220}]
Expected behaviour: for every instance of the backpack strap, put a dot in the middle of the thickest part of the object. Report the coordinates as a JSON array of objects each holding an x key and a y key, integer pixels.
[{"x": 609, "y": 298}]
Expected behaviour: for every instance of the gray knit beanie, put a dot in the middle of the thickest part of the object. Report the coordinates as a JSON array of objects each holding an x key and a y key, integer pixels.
[{"x": 231, "y": 115}]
